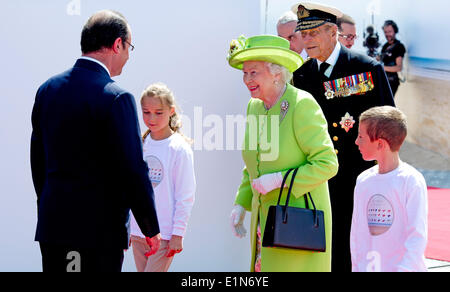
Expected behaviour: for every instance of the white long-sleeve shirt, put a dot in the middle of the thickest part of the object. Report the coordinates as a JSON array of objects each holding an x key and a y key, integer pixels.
[
  {"x": 389, "y": 224},
  {"x": 171, "y": 171}
]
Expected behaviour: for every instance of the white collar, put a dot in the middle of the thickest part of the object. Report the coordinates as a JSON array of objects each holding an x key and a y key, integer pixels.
[
  {"x": 96, "y": 61},
  {"x": 304, "y": 55},
  {"x": 332, "y": 59}
]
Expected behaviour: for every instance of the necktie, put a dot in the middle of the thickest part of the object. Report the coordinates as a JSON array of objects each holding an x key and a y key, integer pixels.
[{"x": 323, "y": 67}]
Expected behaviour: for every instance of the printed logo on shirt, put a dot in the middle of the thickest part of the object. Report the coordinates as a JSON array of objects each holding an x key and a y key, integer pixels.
[
  {"x": 380, "y": 215},
  {"x": 155, "y": 170},
  {"x": 373, "y": 261}
]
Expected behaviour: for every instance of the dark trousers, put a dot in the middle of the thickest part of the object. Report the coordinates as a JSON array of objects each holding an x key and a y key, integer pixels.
[
  {"x": 394, "y": 82},
  {"x": 63, "y": 259},
  {"x": 341, "y": 197},
  {"x": 342, "y": 187}
]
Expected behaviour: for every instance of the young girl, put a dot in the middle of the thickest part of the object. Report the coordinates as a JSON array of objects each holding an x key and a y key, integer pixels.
[{"x": 170, "y": 162}]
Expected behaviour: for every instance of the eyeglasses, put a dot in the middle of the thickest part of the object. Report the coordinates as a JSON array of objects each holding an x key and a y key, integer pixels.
[
  {"x": 349, "y": 37},
  {"x": 131, "y": 45}
]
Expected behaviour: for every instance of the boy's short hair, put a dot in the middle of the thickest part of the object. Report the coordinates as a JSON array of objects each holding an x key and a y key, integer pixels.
[{"x": 385, "y": 122}]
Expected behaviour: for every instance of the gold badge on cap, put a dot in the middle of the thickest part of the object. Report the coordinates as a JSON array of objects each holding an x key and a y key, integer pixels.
[
  {"x": 347, "y": 122},
  {"x": 302, "y": 12}
]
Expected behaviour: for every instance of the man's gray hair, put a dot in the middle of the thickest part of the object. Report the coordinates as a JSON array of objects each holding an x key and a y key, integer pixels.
[{"x": 287, "y": 17}]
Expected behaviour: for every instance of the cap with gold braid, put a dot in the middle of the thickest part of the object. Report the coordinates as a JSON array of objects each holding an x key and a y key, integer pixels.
[{"x": 312, "y": 15}]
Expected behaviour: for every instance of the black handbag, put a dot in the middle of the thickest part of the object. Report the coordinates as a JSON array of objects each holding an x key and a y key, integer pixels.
[{"x": 292, "y": 227}]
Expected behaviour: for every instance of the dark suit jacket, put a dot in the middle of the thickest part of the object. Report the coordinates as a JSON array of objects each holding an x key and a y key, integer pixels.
[
  {"x": 349, "y": 63},
  {"x": 86, "y": 161}
]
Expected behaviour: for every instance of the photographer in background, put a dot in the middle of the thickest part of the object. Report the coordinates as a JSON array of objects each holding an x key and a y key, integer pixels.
[
  {"x": 392, "y": 54},
  {"x": 371, "y": 42}
]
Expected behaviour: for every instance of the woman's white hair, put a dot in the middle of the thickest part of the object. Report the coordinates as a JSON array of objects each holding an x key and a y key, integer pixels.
[{"x": 274, "y": 69}]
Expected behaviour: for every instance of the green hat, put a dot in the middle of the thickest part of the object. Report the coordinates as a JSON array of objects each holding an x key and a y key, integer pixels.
[{"x": 267, "y": 48}]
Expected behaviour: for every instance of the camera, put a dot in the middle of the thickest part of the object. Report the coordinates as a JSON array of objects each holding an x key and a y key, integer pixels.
[{"x": 371, "y": 41}]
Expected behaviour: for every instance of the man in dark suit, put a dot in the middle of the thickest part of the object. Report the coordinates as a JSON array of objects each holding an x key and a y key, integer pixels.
[
  {"x": 345, "y": 84},
  {"x": 86, "y": 157}
]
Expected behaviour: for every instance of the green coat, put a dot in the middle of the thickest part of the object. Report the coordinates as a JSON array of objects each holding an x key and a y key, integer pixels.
[{"x": 303, "y": 141}]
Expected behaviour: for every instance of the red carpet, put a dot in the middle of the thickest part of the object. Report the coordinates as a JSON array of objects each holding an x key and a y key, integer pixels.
[{"x": 438, "y": 224}]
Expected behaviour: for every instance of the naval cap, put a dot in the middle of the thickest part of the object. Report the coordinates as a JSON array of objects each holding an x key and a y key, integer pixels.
[{"x": 311, "y": 15}]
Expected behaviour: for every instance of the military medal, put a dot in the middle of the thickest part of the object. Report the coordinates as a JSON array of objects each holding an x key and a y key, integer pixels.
[
  {"x": 346, "y": 91},
  {"x": 329, "y": 94},
  {"x": 350, "y": 85},
  {"x": 329, "y": 91},
  {"x": 284, "y": 109},
  {"x": 347, "y": 122}
]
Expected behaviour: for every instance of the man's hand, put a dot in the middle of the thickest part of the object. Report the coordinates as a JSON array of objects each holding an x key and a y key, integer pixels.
[
  {"x": 175, "y": 246},
  {"x": 154, "y": 244}
]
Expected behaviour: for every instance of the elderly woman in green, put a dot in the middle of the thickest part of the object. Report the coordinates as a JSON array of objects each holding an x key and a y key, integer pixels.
[{"x": 285, "y": 129}]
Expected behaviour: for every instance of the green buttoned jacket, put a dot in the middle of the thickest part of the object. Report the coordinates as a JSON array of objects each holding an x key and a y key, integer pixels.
[{"x": 293, "y": 133}]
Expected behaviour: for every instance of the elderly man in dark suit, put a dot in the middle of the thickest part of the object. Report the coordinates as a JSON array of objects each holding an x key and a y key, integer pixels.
[
  {"x": 345, "y": 84},
  {"x": 86, "y": 157}
]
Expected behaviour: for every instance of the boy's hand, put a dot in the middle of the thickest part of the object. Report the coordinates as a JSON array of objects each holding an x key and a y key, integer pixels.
[{"x": 175, "y": 246}]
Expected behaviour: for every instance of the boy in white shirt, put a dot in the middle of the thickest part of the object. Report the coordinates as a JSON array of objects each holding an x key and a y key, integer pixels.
[{"x": 389, "y": 224}]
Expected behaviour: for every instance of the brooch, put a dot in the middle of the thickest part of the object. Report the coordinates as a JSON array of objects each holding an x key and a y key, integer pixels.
[
  {"x": 284, "y": 109},
  {"x": 347, "y": 122}
]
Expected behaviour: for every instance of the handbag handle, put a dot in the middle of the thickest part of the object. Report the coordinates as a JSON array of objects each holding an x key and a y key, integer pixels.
[
  {"x": 316, "y": 219},
  {"x": 283, "y": 183}
]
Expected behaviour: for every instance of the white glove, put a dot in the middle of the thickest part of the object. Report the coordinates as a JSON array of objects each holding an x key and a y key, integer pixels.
[
  {"x": 237, "y": 221},
  {"x": 268, "y": 182}
]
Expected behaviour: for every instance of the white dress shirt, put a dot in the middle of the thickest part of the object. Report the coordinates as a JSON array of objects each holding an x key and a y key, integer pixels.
[{"x": 332, "y": 59}]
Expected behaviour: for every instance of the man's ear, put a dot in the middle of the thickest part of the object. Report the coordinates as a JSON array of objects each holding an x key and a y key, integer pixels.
[
  {"x": 116, "y": 47},
  {"x": 334, "y": 30}
]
